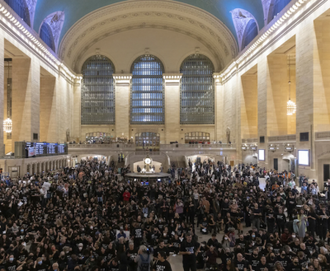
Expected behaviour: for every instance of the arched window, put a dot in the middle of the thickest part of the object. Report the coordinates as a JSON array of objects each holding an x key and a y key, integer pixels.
[
  {"x": 147, "y": 93},
  {"x": 46, "y": 35},
  {"x": 277, "y": 7},
  {"x": 250, "y": 32},
  {"x": 21, "y": 8},
  {"x": 197, "y": 94},
  {"x": 97, "y": 92}
]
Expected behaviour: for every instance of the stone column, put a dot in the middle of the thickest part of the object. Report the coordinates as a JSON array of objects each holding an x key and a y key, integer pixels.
[
  {"x": 2, "y": 50},
  {"x": 76, "y": 121},
  {"x": 263, "y": 85},
  {"x": 122, "y": 104},
  {"x": 308, "y": 81},
  {"x": 172, "y": 107},
  {"x": 48, "y": 120},
  {"x": 218, "y": 107},
  {"x": 26, "y": 99}
]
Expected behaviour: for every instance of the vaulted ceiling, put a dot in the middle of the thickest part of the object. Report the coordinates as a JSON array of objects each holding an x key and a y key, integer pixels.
[{"x": 76, "y": 9}]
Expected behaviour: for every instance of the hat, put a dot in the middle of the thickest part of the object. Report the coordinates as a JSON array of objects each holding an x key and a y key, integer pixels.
[{"x": 80, "y": 245}]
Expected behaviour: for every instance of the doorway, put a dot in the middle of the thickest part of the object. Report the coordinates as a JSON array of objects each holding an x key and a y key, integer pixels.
[{"x": 276, "y": 164}]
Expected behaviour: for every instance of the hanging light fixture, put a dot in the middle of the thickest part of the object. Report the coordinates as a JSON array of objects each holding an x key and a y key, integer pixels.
[
  {"x": 290, "y": 105},
  {"x": 7, "y": 123}
]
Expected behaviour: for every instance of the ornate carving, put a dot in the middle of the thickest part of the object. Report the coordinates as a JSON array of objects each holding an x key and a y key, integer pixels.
[
  {"x": 266, "y": 7},
  {"x": 55, "y": 21},
  {"x": 241, "y": 18},
  {"x": 32, "y": 8},
  {"x": 165, "y": 5}
]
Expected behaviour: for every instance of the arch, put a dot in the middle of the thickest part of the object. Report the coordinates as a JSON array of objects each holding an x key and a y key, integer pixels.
[
  {"x": 21, "y": 8},
  {"x": 276, "y": 6},
  {"x": 250, "y": 32},
  {"x": 241, "y": 19},
  {"x": 97, "y": 91},
  {"x": 46, "y": 35},
  {"x": 55, "y": 21},
  {"x": 169, "y": 15},
  {"x": 197, "y": 91},
  {"x": 147, "y": 90},
  {"x": 197, "y": 137}
]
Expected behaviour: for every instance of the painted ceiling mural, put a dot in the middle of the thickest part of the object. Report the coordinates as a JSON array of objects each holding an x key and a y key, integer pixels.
[{"x": 76, "y": 9}]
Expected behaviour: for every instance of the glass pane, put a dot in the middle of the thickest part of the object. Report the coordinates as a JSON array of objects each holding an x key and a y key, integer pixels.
[
  {"x": 97, "y": 92},
  {"x": 197, "y": 94},
  {"x": 147, "y": 91}
]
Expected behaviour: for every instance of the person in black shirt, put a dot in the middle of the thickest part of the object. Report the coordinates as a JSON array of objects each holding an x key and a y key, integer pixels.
[
  {"x": 295, "y": 265},
  {"x": 189, "y": 250},
  {"x": 240, "y": 263},
  {"x": 162, "y": 264},
  {"x": 161, "y": 248},
  {"x": 262, "y": 265}
]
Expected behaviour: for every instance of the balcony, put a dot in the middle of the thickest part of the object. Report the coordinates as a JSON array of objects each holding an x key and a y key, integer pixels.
[{"x": 163, "y": 147}]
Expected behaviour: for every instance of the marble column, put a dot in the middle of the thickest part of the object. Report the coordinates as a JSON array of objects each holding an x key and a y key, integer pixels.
[
  {"x": 48, "y": 120},
  {"x": 2, "y": 50},
  {"x": 122, "y": 104},
  {"x": 76, "y": 121},
  {"x": 172, "y": 107},
  {"x": 218, "y": 107},
  {"x": 263, "y": 96},
  {"x": 26, "y": 99}
]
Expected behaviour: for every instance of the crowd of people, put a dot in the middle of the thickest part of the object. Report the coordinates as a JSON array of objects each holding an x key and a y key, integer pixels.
[{"x": 215, "y": 216}]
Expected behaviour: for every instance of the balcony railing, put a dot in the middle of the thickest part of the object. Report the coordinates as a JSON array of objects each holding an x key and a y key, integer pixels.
[{"x": 163, "y": 147}]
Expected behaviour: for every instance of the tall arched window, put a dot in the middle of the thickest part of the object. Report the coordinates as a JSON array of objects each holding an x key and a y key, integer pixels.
[
  {"x": 97, "y": 92},
  {"x": 46, "y": 35},
  {"x": 250, "y": 32},
  {"x": 277, "y": 7},
  {"x": 21, "y": 8},
  {"x": 147, "y": 93},
  {"x": 197, "y": 94}
]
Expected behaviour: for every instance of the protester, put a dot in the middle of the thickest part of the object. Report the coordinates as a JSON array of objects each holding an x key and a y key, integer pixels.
[{"x": 89, "y": 218}]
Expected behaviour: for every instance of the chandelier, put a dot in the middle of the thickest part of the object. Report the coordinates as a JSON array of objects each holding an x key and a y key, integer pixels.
[
  {"x": 290, "y": 105},
  {"x": 7, "y": 125}
]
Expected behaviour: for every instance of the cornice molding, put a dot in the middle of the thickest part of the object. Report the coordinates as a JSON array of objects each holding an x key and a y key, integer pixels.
[
  {"x": 172, "y": 79},
  {"x": 122, "y": 79},
  {"x": 289, "y": 18},
  {"x": 21, "y": 32}
]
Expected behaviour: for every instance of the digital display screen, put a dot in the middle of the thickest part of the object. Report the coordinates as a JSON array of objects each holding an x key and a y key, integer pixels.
[
  {"x": 61, "y": 149},
  {"x": 37, "y": 149},
  {"x": 51, "y": 148},
  {"x": 261, "y": 155},
  {"x": 303, "y": 158},
  {"x": 40, "y": 149}
]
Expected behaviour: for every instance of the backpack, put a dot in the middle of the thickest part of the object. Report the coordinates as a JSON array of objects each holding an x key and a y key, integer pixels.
[{"x": 144, "y": 266}]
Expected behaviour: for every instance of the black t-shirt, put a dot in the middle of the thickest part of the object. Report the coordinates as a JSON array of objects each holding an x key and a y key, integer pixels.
[
  {"x": 262, "y": 267},
  {"x": 162, "y": 266},
  {"x": 241, "y": 265},
  {"x": 11, "y": 266},
  {"x": 189, "y": 247}
]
